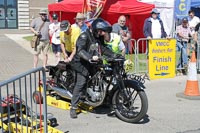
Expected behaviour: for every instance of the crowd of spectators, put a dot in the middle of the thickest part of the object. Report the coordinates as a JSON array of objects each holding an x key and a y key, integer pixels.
[
  {"x": 63, "y": 36},
  {"x": 79, "y": 43}
]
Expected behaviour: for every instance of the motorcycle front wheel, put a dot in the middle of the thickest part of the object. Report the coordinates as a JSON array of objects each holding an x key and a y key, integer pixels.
[{"x": 132, "y": 106}]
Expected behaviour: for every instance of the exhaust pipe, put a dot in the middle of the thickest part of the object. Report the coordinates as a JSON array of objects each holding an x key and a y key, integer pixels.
[{"x": 62, "y": 92}]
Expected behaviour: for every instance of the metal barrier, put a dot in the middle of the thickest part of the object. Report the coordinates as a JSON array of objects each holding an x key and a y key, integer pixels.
[
  {"x": 19, "y": 113},
  {"x": 141, "y": 56},
  {"x": 132, "y": 55}
]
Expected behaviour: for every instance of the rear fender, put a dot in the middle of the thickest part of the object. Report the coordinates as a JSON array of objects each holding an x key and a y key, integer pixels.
[
  {"x": 52, "y": 70},
  {"x": 61, "y": 66}
]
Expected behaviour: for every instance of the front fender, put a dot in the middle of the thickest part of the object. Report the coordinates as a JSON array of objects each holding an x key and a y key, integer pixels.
[
  {"x": 133, "y": 83},
  {"x": 137, "y": 85}
]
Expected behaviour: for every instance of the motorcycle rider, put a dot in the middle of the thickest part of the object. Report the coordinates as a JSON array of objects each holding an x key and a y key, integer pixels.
[{"x": 89, "y": 46}]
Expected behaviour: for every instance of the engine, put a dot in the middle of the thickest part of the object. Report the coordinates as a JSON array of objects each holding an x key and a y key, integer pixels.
[{"x": 94, "y": 93}]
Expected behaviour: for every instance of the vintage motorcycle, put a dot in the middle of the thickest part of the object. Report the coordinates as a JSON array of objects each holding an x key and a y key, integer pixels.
[{"x": 110, "y": 84}]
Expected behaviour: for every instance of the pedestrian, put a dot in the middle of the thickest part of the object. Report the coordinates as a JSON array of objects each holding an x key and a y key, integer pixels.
[
  {"x": 80, "y": 22},
  {"x": 90, "y": 45},
  {"x": 68, "y": 37},
  {"x": 40, "y": 27},
  {"x": 121, "y": 29},
  {"x": 153, "y": 26},
  {"x": 54, "y": 33},
  {"x": 183, "y": 34},
  {"x": 193, "y": 21},
  {"x": 197, "y": 40}
]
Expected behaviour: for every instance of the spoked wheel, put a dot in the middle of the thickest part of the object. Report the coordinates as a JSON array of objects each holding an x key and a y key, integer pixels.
[
  {"x": 65, "y": 79},
  {"x": 132, "y": 106}
]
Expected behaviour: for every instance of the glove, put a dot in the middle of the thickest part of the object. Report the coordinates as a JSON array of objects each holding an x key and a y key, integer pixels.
[
  {"x": 119, "y": 56},
  {"x": 95, "y": 58}
]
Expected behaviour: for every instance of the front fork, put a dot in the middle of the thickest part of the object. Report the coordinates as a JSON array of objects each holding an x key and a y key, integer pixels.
[{"x": 122, "y": 88}]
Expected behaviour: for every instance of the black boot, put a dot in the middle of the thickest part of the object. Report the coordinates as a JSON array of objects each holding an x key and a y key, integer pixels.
[{"x": 73, "y": 114}]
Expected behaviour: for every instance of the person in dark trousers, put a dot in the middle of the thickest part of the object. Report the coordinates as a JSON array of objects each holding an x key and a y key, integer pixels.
[
  {"x": 89, "y": 46},
  {"x": 54, "y": 33}
]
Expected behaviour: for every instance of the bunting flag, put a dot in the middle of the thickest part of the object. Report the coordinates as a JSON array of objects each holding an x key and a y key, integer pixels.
[{"x": 93, "y": 8}]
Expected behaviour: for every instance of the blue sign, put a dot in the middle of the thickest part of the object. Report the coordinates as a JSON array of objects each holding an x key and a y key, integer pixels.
[{"x": 181, "y": 8}]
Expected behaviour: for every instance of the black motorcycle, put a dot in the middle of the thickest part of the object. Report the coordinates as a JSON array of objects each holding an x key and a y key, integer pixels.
[{"x": 110, "y": 84}]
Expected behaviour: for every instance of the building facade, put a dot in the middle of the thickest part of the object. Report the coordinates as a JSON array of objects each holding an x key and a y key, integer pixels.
[{"x": 18, "y": 14}]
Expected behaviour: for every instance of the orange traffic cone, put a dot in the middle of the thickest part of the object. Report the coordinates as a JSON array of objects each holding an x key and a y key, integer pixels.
[{"x": 192, "y": 87}]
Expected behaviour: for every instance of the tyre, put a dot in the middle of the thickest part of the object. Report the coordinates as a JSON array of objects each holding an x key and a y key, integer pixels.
[
  {"x": 37, "y": 97},
  {"x": 132, "y": 106}
]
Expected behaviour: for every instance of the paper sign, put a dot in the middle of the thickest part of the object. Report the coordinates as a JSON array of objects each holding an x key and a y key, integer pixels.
[{"x": 162, "y": 58}]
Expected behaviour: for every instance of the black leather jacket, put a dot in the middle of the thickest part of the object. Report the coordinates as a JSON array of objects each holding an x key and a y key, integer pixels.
[{"x": 88, "y": 46}]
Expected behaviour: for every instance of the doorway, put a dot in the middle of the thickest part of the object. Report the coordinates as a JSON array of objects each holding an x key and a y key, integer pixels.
[{"x": 8, "y": 14}]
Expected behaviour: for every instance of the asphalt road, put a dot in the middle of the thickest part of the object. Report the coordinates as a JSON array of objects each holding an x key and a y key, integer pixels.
[{"x": 167, "y": 113}]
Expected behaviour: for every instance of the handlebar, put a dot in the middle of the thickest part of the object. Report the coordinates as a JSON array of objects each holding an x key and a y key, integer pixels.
[
  {"x": 118, "y": 59},
  {"x": 109, "y": 60},
  {"x": 93, "y": 61}
]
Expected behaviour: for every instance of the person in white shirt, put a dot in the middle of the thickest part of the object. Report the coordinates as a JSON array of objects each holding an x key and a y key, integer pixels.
[
  {"x": 153, "y": 26},
  {"x": 54, "y": 33},
  {"x": 193, "y": 21}
]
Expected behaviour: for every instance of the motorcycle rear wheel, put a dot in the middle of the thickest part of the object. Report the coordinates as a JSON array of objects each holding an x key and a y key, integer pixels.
[
  {"x": 65, "y": 79},
  {"x": 132, "y": 110}
]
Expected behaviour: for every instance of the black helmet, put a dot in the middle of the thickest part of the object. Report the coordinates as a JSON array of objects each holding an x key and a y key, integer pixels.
[
  {"x": 64, "y": 25},
  {"x": 100, "y": 24},
  {"x": 54, "y": 16}
]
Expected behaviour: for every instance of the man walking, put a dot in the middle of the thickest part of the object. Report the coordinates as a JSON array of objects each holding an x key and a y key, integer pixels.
[{"x": 40, "y": 27}]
